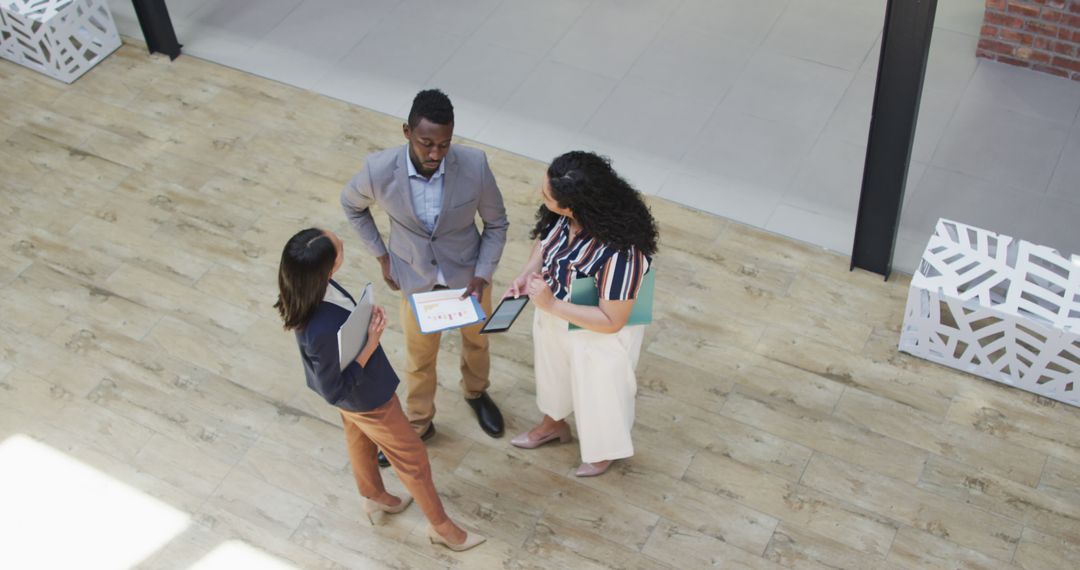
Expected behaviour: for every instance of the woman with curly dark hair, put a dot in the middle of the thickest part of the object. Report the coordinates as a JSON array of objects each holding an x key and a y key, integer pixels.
[{"x": 592, "y": 224}]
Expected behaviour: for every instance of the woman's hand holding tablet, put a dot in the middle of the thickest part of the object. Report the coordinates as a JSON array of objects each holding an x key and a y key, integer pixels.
[{"x": 505, "y": 314}]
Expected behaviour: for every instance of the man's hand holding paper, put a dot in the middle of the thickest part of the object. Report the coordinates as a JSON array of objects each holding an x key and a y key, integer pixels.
[{"x": 444, "y": 309}]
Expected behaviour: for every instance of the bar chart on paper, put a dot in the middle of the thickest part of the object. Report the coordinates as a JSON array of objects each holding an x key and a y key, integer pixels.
[{"x": 445, "y": 309}]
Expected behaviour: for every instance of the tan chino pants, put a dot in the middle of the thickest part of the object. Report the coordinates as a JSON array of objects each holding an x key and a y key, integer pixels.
[{"x": 421, "y": 355}]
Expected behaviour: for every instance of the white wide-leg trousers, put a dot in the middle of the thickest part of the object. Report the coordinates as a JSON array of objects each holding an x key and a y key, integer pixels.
[{"x": 591, "y": 375}]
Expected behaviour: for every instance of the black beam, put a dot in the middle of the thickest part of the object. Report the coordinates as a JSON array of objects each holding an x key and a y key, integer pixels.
[
  {"x": 156, "y": 27},
  {"x": 905, "y": 44}
]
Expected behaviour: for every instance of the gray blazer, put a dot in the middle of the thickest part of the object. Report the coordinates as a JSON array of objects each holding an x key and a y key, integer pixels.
[{"x": 456, "y": 245}]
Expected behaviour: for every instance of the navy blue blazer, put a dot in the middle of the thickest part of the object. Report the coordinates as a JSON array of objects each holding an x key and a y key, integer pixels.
[{"x": 355, "y": 389}]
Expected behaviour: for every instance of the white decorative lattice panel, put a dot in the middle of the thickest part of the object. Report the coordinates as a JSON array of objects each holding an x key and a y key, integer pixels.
[
  {"x": 1002, "y": 308},
  {"x": 60, "y": 38}
]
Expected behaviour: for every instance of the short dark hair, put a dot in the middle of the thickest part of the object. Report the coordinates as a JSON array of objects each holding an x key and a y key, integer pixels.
[
  {"x": 604, "y": 203},
  {"x": 304, "y": 273},
  {"x": 433, "y": 105}
]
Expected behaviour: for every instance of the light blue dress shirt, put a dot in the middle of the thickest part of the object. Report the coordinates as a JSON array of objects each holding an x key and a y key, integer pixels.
[
  {"x": 427, "y": 194},
  {"x": 427, "y": 197}
]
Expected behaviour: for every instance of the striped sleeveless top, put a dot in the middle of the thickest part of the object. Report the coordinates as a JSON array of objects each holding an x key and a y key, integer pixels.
[{"x": 618, "y": 273}]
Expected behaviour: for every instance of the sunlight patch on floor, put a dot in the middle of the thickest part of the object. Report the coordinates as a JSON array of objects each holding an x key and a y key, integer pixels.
[{"x": 56, "y": 512}]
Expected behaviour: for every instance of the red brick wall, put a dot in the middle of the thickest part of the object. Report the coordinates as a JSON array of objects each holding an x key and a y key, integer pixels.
[{"x": 1041, "y": 34}]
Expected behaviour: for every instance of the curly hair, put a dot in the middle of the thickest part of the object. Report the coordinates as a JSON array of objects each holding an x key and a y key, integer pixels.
[
  {"x": 306, "y": 263},
  {"x": 607, "y": 206},
  {"x": 433, "y": 105}
]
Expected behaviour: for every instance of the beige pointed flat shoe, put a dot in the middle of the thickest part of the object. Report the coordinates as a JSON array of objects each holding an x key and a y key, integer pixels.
[
  {"x": 593, "y": 469},
  {"x": 523, "y": 440}
]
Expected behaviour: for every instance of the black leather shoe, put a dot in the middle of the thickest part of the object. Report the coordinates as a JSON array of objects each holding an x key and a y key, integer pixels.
[
  {"x": 487, "y": 414},
  {"x": 428, "y": 434}
]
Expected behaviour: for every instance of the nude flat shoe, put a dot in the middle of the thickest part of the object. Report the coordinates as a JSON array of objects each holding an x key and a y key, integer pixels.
[
  {"x": 471, "y": 540},
  {"x": 523, "y": 440},
  {"x": 593, "y": 469}
]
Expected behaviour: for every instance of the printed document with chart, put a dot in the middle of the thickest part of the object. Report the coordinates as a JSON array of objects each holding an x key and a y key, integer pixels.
[{"x": 445, "y": 309}]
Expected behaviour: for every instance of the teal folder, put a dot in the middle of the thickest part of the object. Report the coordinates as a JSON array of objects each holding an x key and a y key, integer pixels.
[{"x": 583, "y": 292}]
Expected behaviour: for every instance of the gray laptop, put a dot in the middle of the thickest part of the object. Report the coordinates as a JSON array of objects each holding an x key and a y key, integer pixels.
[{"x": 353, "y": 334}]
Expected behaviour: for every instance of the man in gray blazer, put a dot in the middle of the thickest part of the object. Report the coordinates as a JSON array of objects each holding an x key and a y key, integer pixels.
[{"x": 432, "y": 192}]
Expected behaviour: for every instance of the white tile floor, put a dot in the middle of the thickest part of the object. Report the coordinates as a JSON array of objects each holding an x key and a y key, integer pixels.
[{"x": 757, "y": 111}]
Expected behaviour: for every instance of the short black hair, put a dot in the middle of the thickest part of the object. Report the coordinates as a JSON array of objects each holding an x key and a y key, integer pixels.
[{"x": 433, "y": 105}]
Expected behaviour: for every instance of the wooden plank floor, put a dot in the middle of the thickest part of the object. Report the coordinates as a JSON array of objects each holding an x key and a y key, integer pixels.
[{"x": 143, "y": 211}]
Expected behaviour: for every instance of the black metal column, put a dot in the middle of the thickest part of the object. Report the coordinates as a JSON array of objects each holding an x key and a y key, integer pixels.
[
  {"x": 905, "y": 44},
  {"x": 156, "y": 27}
]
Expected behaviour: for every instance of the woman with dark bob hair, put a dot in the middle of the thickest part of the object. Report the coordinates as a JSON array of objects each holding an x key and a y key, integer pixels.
[
  {"x": 592, "y": 224},
  {"x": 314, "y": 306}
]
